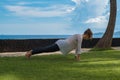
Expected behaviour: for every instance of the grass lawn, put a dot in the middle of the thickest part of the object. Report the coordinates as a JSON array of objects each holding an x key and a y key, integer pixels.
[{"x": 94, "y": 65}]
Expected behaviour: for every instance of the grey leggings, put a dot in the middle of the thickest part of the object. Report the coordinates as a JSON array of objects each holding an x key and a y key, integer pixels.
[{"x": 51, "y": 48}]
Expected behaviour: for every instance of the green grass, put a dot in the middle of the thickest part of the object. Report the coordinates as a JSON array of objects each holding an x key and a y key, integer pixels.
[
  {"x": 101, "y": 49},
  {"x": 94, "y": 65}
]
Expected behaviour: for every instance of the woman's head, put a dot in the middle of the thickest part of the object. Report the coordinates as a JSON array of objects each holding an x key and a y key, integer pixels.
[{"x": 87, "y": 34}]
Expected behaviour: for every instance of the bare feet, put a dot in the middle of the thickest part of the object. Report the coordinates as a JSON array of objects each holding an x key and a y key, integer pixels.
[{"x": 28, "y": 54}]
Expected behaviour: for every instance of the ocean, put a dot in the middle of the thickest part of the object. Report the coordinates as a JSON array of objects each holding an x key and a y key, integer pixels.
[
  {"x": 33, "y": 36},
  {"x": 98, "y": 35}
]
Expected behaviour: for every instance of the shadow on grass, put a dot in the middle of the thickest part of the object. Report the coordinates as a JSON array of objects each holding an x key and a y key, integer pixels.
[{"x": 101, "y": 55}]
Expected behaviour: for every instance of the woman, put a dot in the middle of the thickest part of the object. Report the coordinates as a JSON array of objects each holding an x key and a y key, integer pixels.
[{"x": 65, "y": 46}]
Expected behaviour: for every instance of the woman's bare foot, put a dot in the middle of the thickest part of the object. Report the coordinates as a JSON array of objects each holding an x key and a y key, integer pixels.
[{"x": 28, "y": 54}]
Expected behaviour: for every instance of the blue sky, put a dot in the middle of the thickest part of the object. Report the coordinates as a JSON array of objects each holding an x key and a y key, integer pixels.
[{"x": 53, "y": 17}]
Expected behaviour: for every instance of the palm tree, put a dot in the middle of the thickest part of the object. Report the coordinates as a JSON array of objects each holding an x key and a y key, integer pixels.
[{"x": 106, "y": 41}]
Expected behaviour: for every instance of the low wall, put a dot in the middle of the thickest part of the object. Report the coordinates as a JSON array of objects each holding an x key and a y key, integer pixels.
[{"x": 27, "y": 44}]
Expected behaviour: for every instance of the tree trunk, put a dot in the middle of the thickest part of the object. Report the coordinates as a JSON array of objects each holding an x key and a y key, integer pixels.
[{"x": 106, "y": 40}]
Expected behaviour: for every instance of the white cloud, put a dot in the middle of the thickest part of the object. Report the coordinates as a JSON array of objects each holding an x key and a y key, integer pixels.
[
  {"x": 78, "y": 2},
  {"x": 91, "y": 13},
  {"x": 36, "y": 29},
  {"x": 50, "y": 11},
  {"x": 100, "y": 14},
  {"x": 94, "y": 8},
  {"x": 23, "y": 3},
  {"x": 99, "y": 19},
  {"x": 26, "y": 3},
  {"x": 100, "y": 6},
  {"x": 70, "y": 9},
  {"x": 99, "y": 22}
]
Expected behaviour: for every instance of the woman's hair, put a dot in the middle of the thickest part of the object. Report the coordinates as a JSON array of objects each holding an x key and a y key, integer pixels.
[{"x": 89, "y": 33}]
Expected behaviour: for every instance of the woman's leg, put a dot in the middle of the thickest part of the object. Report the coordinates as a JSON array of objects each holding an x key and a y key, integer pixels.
[{"x": 50, "y": 48}]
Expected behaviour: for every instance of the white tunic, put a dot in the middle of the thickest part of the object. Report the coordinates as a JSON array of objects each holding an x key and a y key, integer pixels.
[{"x": 73, "y": 42}]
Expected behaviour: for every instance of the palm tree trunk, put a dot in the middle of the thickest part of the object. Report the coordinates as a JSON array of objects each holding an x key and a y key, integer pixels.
[{"x": 106, "y": 40}]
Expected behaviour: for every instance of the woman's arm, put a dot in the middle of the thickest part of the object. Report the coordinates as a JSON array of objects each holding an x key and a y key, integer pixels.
[{"x": 78, "y": 47}]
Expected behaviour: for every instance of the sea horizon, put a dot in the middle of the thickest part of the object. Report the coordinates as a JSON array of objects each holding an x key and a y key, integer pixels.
[
  {"x": 96, "y": 35},
  {"x": 33, "y": 36}
]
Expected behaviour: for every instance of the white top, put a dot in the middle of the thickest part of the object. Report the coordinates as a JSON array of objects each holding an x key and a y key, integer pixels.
[{"x": 73, "y": 42}]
